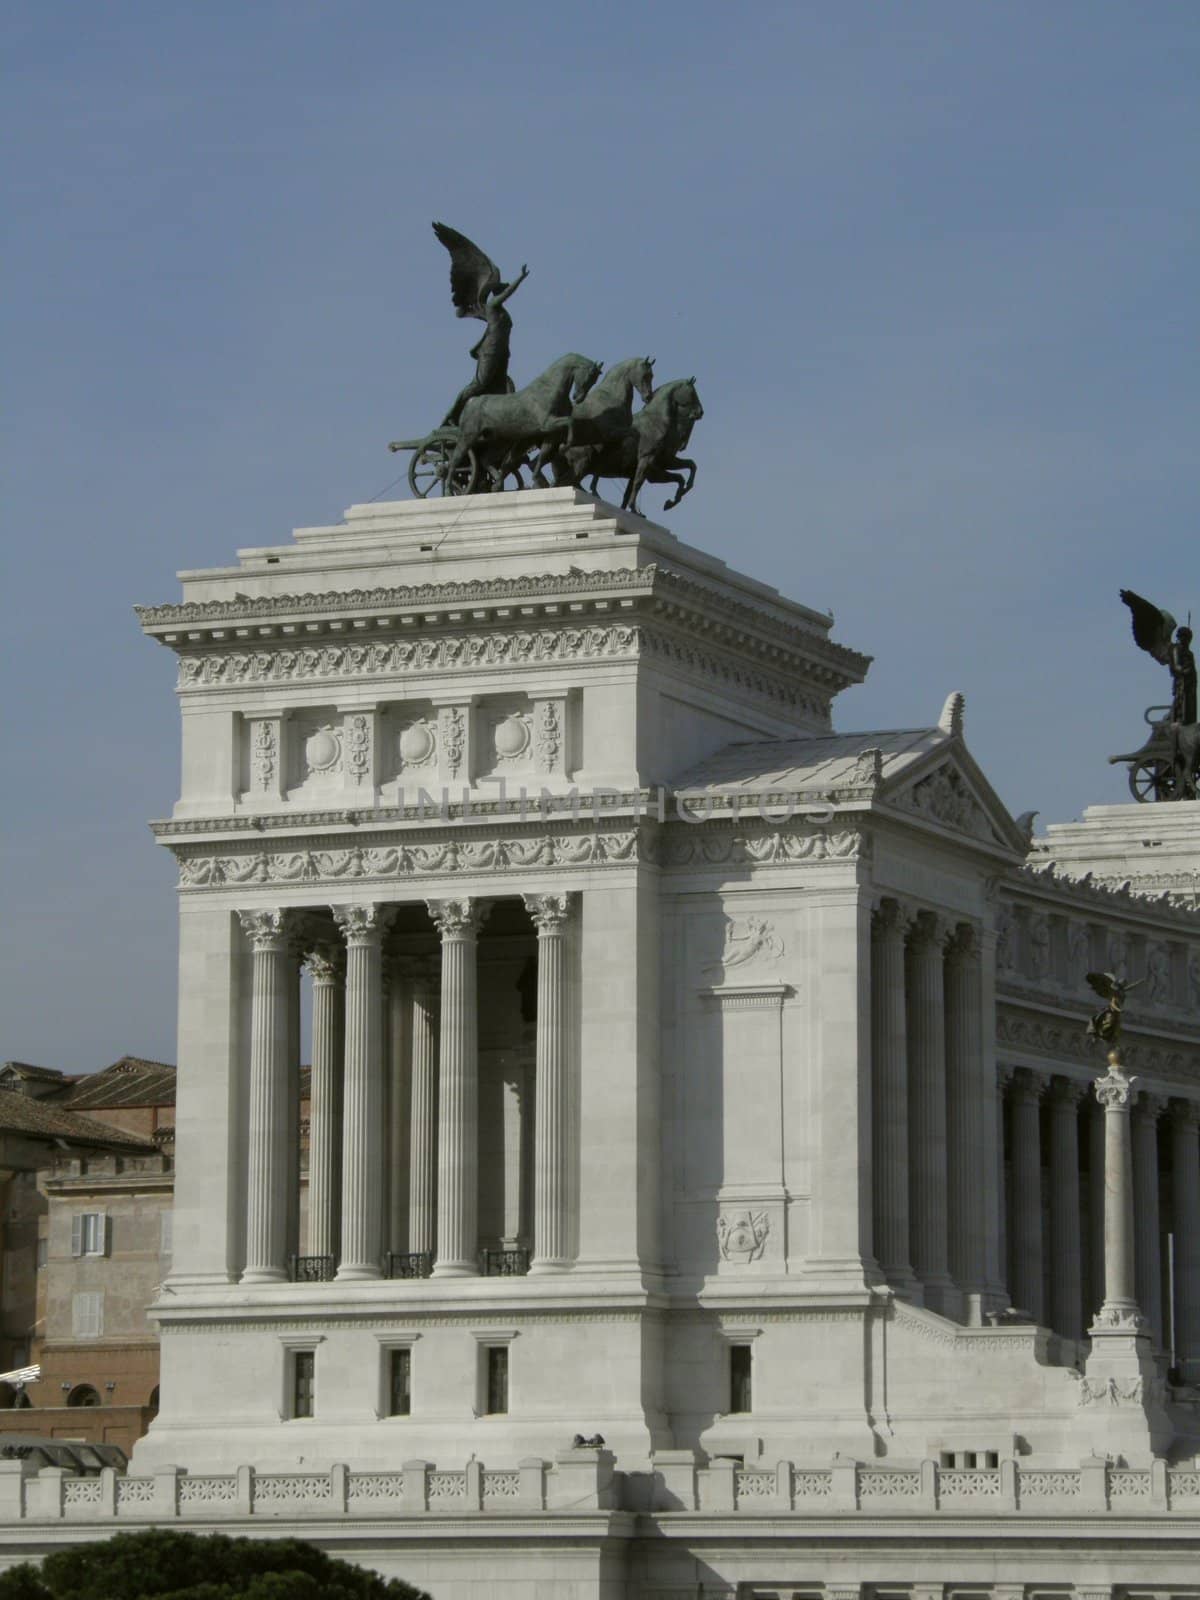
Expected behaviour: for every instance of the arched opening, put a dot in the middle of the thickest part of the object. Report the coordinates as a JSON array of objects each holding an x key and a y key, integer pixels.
[{"x": 83, "y": 1395}]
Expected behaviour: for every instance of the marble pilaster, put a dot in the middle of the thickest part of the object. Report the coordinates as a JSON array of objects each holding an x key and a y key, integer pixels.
[
  {"x": 553, "y": 1187},
  {"x": 362, "y": 1111},
  {"x": 926, "y": 1039},
  {"x": 423, "y": 1113},
  {"x": 458, "y": 922},
  {"x": 1147, "y": 1247},
  {"x": 889, "y": 1121},
  {"x": 965, "y": 1153},
  {"x": 1185, "y": 1207},
  {"x": 326, "y": 963},
  {"x": 1065, "y": 1311},
  {"x": 266, "y": 1190},
  {"x": 1025, "y": 1212}
]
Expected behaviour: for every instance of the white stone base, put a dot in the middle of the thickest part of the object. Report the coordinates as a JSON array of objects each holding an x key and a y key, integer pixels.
[{"x": 1154, "y": 848}]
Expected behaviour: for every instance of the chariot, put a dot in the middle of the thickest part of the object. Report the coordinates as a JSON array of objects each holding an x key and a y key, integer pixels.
[
  {"x": 431, "y": 469},
  {"x": 1159, "y": 769}
]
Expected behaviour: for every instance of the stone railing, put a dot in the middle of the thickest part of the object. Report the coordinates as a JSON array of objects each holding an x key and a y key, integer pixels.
[{"x": 582, "y": 1480}]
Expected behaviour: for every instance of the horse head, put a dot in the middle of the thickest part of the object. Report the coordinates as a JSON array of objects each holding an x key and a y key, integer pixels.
[
  {"x": 685, "y": 402},
  {"x": 586, "y": 372}
]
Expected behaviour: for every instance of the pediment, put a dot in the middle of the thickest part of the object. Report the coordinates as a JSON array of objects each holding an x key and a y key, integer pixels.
[{"x": 949, "y": 791}]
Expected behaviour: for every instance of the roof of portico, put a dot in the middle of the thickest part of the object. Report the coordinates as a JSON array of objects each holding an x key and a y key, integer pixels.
[{"x": 926, "y": 773}]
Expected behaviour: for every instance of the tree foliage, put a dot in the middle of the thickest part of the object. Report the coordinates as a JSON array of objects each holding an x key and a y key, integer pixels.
[{"x": 168, "y": 1565}]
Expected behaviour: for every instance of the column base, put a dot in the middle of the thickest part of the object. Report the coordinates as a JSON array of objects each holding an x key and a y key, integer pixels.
[
  {"x": 263, "y": 1275},
  {"x": 351, "y": 1273}
]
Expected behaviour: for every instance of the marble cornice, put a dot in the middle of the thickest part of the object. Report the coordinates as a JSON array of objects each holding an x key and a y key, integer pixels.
[
  {"x": 388, "y": 855},
  {"x": 264, "y": 624},
  {"x": 1050, "y": 886}
]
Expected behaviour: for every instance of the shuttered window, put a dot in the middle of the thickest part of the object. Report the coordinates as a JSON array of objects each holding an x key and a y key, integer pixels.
[
  {"x": 87, "y": 1314},
  {"x": 90, "y": 1234}
]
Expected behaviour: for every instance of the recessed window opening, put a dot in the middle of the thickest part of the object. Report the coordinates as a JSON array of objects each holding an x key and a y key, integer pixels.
[
  {"x": 740, "y": 1382},
  {"x": 304, "y": 1363},
  {"x": 496, "y": 1380},
  {"x": 400, "y": 1383}
]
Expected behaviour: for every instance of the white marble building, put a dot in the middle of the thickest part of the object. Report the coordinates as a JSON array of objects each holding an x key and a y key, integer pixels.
[{"x": 683, "y": 1072}]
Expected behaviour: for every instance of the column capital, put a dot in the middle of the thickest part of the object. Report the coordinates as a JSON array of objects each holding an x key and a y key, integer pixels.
[
  {"x": 890, "y": 917},
  {"x": 1150, "y": 1106},
  {"x": 550, "y": 912},
  {"x": 962, "y": 943},
  {"x": 927, "y": 928},
  {"x": 1028, "y": 1084},
  {"x": 363, "y": 925},
  {"x": 458, "y": 919},
  {"x": 266, "y": 930},
  {"x": 326, "y": 962},
  {"x": 1114, "y": 1090},
  {"x": 1068, "y": 1093}
]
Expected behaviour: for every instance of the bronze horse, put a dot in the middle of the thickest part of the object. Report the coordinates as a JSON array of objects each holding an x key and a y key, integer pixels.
[{"x": 649, "y": 452}]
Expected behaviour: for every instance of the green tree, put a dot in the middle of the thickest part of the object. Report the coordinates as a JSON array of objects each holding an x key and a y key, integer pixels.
[{"x": 187, "y": 1566}]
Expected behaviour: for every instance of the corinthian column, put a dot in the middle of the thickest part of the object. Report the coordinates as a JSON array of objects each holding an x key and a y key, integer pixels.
[
  {"x": 458, "y": 922},
  {"x": 1115, "y": 1093},
  {"x": 362, "y": 1112},
  {"x": 552, "y": 1176},
  {"x": 1147, "y": 1248},
  {"x": 927, "y": 1112},
  {"x": 266, "y": 1190},
  {"x": 1026, "y": 1214},
  {"x": 422, "y": 1168},
  {"x": 327, "y": 965},
  {"x": 965, "y": 1154},
  {"x": 1066, "y": 1241},
  {"x": 1185, "y": 1208},
  {"x": 889, "y": 1118}
]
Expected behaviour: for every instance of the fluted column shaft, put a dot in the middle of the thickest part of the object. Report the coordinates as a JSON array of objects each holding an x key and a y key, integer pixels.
[
  {"x": 1115, "y": 1093},
  {"x": 266, "y": 1190},
  {"x": 423, "y": 1116},
  {"x": 965, "y": 1153},
  {"x": 1026, "y": 1213},
  {"x": 1147, "y": 1248},
  {"x": 1066, "y": 1238},
  {"x": 327, "y": 966},
  {"x": 1095, "y": 1137},
  {"x": 292, "y": 971},
  {"x": 1185, "y": 1207},
  {"x": 927, "y": 1112},
  {"x": 552, "y": 1185},
  {"x": 458, "y": 922},
  {"x": 362, "y": 1109},
  {"x": 400, "y": 1106},
  {"x": 889, "y": 1121}
]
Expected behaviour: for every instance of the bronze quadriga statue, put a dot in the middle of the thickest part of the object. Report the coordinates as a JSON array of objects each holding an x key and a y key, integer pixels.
[{"x": 569, "y": 421}]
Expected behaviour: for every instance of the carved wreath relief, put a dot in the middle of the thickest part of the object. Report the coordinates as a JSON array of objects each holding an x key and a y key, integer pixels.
[{"x": 742, "y": 1235}]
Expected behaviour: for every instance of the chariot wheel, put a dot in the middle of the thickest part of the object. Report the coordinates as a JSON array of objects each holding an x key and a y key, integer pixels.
[
  {"x": 1152, "y": 778},
  {"x": 429, "y": 471}
]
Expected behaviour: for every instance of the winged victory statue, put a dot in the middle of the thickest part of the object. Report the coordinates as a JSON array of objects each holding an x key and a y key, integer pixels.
[
  {"x": 1167, "y": 767},
  {"x": 477, "y": 290}
]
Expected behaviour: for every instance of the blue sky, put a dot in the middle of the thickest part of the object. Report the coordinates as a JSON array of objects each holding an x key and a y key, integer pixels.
[{"x": 933, "y": 265}]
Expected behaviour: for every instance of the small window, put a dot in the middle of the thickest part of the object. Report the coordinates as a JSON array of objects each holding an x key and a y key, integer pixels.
[
  {"x": 87, "y": 1314},
  {"x": 89, "y": 1234},
  {"x": 400, "y": 1383},
  {"x": 740, "y": 1396},
  {"x": 83, "y": 1395},
  {"x": 303, "y": 1375},
  {"x": 166, "y": 1234},
  {"x": 497, "y": 1379}
]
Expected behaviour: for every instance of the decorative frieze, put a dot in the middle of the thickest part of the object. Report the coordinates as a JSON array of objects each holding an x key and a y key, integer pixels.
[{"x": 944, "y": 797}]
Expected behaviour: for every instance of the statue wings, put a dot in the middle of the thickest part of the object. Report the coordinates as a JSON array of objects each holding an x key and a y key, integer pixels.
[
  {"x": 1109, "y": 987},
  {"x": 1152, "y": 627},
  {"x": 473, "y": 276}
]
